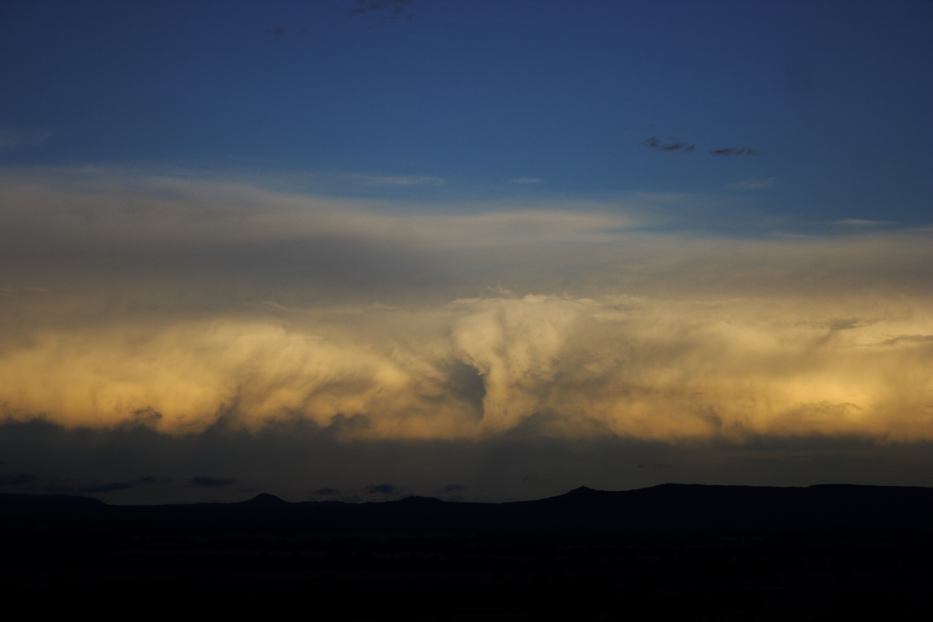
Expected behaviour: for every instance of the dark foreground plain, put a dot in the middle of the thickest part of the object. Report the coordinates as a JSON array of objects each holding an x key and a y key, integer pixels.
[{"x": 671, "y": 551}]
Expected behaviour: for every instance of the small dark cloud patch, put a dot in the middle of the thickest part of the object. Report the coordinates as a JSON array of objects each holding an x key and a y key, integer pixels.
[
  {"x": 276, "y": 31},
  {"x": 655, "y": 143},
  {"x": 383, "y": 489},
  {"x": 210, "y": 482},
  {"x": 453, "y": 488},
  {"x": 17, "y": 479},
  {"x": 145, "y": 418},
  {"x": 326, "y": 492},
  {"x": 107, "y": 487},
  {"x": 734, "y": 151}
]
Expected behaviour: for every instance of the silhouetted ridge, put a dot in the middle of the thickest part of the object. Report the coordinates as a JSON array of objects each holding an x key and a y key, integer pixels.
[
  {"x": 581, "y": 491},
  {"x": 265, "y": 500},
  {"x": 416, "y": 500},
  {"x": 808, "y": 549}
]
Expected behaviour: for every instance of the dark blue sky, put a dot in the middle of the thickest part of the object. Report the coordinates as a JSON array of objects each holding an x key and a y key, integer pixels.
[{"x": 833, "y": 98}]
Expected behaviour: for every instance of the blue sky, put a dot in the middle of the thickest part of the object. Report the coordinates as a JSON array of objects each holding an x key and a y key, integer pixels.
[{"x": 495, "y": 99}]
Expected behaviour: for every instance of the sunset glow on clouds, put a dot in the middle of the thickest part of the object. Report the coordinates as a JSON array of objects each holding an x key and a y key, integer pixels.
[{"x": 174, "y": 302}]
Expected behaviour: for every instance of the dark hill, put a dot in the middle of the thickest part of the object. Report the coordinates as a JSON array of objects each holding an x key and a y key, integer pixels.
[{"x": 671, "y": 551}]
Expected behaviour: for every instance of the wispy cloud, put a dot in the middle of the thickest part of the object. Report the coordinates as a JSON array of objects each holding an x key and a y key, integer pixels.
[
  {"x": 396, "y": 180},
  {"x": 526, "y": 181},
  {"x": 734, "y": 151},
  {"x": 655, "y": 143}
]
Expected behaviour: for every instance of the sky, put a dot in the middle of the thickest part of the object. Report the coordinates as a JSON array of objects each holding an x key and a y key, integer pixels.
[{"x": 359, "y": 249}]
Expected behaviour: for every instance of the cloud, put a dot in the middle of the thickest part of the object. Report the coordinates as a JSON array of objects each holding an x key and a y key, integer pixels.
[
  {"x": 326, "y": 492},
  {"x": 734, "y": 151},
  {"x": 908, "y": 339},
  {"x": 656, "y": 143},
  {"x": 204, "y": 481},
  {"x": 752, "y": 184},
  {"x": 383, "y": 489},
  {"x": 451, "y": 488},
  {"x": 173, "y": 305},
  {"x": 526, "y": 181},
  {"x": 548, "y": 365},
  {"x": 393, "y": 180}
]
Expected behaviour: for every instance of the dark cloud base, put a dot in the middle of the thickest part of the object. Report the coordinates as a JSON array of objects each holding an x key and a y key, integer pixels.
[{"x": 299, "y": 461}]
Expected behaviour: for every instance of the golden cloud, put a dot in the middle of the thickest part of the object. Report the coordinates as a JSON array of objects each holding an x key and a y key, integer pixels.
[{"x": 175, "y": 302}]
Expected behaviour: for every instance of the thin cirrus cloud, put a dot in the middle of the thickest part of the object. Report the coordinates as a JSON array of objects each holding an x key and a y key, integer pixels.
[
  {"x": 394, "y": 180},
  {"x": 175, "y": 303},
  {"x": 734, "y": 151},
  {"x": 673, "y": 146}
]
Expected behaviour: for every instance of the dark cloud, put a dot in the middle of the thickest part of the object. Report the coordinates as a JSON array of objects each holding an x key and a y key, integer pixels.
[
  {"x": 108, "y": 487},
  {"x": 734, "y": 151},
  {"x": 143, "y": 418},
  {"x": 846, "y": 323},
  {"x": 454, "y": 488},
  {"x": 17, "y": 479},
  {"x": 383, "y": 489},
  {"x": 209, "y": 482},
  {"x": 276, "y": 31},
  {"x": 326, "y": 492},
  {"x": 282, "y": 459},
  {"x": 656, "y": 143}
]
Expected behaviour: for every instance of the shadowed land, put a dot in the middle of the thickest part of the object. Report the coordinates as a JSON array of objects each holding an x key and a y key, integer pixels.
[{"x": 723, "y": 552}]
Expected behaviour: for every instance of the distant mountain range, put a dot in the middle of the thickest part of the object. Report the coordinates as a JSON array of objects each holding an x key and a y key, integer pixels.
[
  {"x": 669, "y": 552},
  {"x": 679, "y": 507}
]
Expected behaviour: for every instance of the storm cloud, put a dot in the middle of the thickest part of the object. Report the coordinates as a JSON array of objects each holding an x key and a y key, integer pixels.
[{"x": 169, "y": 303}]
